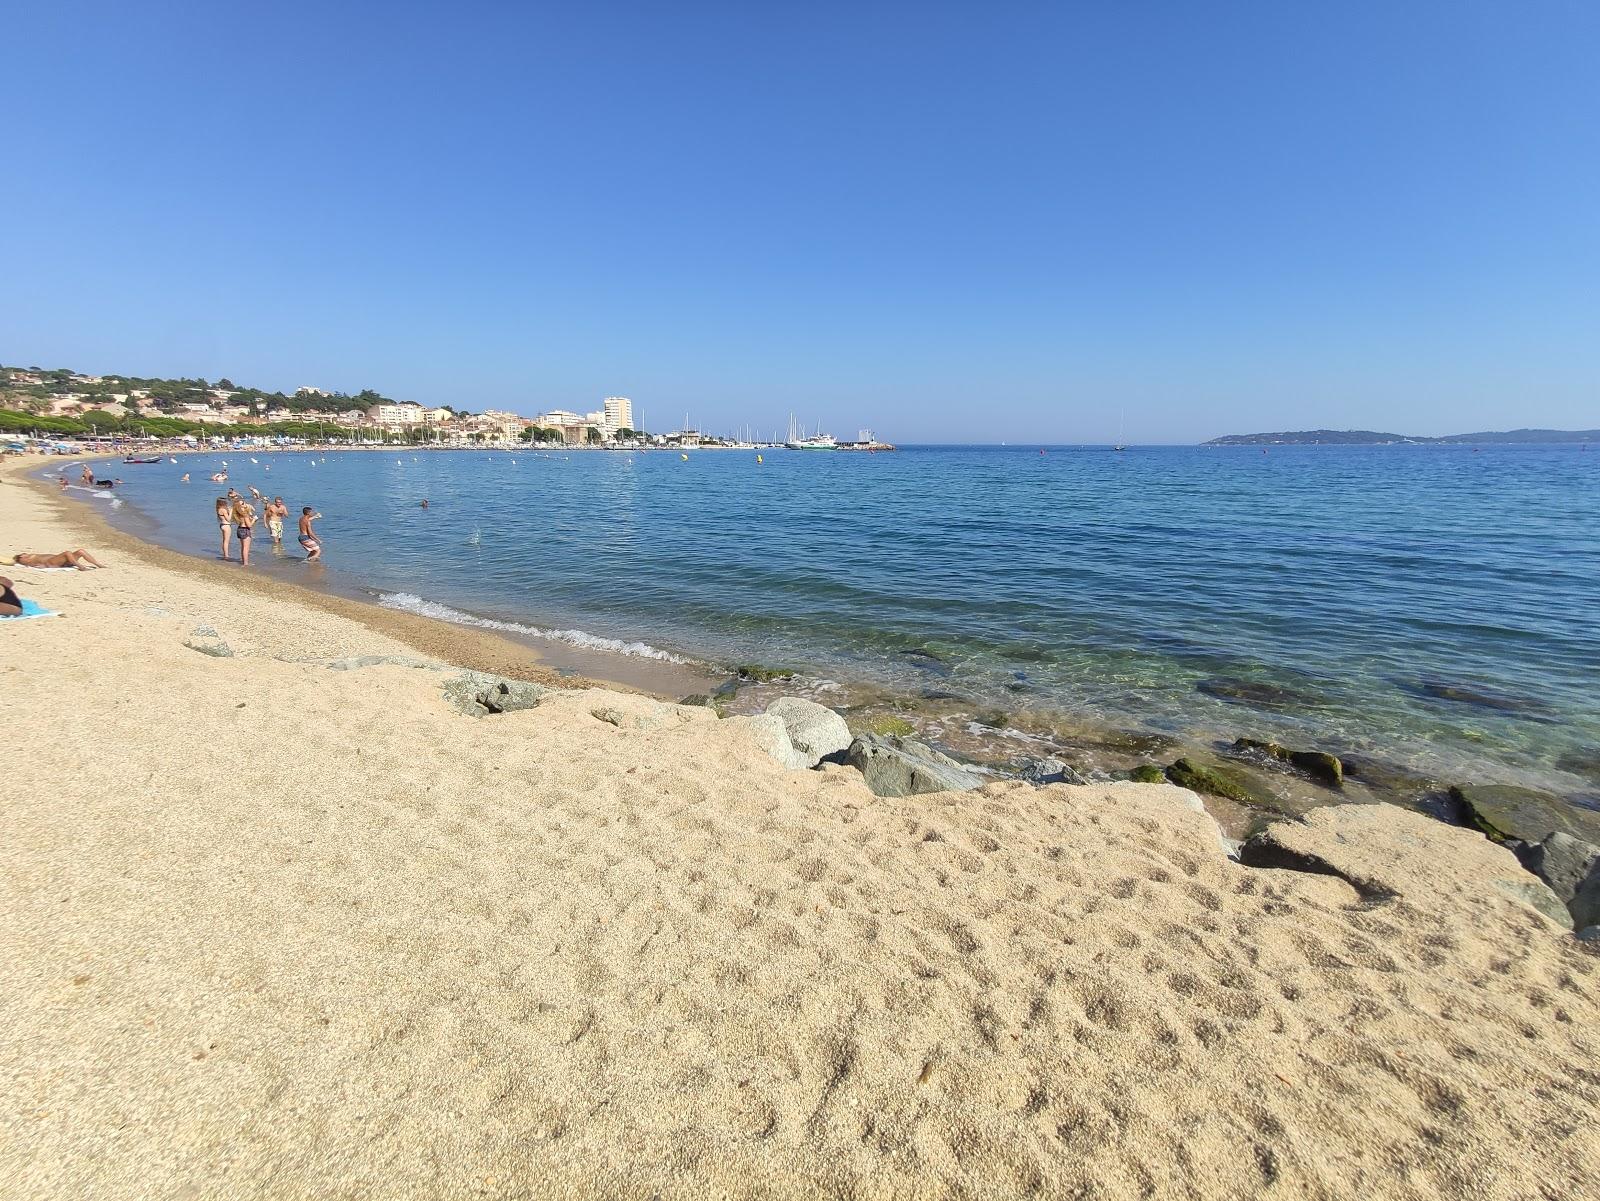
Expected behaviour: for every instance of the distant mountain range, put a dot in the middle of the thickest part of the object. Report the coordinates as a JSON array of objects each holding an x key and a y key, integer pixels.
[{"x": 1373, "y": 438}]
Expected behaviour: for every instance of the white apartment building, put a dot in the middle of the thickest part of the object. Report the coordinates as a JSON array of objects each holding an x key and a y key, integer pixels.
[
  {"x": 618, "y": 414},
  {"x": 407, "y": 412}
]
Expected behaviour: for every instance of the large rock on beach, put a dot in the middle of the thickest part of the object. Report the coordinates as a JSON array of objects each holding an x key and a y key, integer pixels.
[
  {"x": 1571, "y": 869},
  {"x": 1505, "y": 812},
  {"x": 896, "y": 766},
  {"x": 1385, "y": 852},
  {"x": 479, "y": 694},
  {"x": 815, "y": 731},
  {"x": 1051, "y": 770},
  {"x": 771, "y": 734}
]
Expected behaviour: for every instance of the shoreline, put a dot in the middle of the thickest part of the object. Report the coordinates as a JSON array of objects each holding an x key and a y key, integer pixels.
[
  {"x": 1245, "y": 790},
  {"x": 276, "y": 917},
  {"x": 524, "y": 658}
]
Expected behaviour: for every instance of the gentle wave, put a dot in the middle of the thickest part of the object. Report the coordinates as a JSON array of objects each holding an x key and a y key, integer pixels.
[{"x": 412, "y": 603}]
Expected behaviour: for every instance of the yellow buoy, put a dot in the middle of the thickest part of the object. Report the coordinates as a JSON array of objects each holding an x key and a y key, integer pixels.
[
  {"x": 758, "y": 459},
  {"x": 685, "y": 458}
]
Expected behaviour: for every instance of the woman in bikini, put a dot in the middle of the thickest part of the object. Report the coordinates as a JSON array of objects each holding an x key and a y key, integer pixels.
[
  {"x": 244, "y": 516},
  {"x": 225, "y": 522}
]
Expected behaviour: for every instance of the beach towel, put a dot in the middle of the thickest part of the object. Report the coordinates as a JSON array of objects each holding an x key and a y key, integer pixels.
[
  {"x": 26, "y": 567},
  {"x": 31, "y": 608}
]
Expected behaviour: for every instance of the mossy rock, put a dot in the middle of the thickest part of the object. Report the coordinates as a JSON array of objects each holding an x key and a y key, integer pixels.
[
  {"x": 1218, "y": 781},
  {"x": 1147, "y": 773},
  {"x": 1319, "y": 765},
  {"x": 1505, "y": 811},
  {"x": 887, "y": 724},
  {"x": 758, "y": 674}
]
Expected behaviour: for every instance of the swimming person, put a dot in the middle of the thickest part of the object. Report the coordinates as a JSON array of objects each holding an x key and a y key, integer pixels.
[
  {"x": 225, "y": 522},
  {"x": 87, "y": 476},
  {"x": 244, "y": 517},
  {"x": 308, "y": 536}
]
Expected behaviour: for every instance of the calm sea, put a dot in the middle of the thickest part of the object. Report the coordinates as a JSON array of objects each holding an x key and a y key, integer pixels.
[{"x": 1440, "y": 605}]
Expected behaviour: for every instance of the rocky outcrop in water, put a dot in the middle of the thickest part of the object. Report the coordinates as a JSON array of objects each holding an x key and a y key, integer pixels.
[
  {"x": 1215, "y": 780},
  {"x": 1506, "y": 812},
  {"x": 902, "y": 767},
  {"x": 1319, "y": 765}
]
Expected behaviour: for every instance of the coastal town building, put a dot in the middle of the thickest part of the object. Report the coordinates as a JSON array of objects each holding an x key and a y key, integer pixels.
[
  {"x": 400, "y": 413},
  {"x": 618, "y": 415},
  {"x": 573, "y": 427}
]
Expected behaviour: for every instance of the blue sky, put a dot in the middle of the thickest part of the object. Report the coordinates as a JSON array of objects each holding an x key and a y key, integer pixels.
[{"x": 965, "y": 222}]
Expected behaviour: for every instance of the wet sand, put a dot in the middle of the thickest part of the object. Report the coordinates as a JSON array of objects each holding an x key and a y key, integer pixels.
[{"x": 523, "y": 658}]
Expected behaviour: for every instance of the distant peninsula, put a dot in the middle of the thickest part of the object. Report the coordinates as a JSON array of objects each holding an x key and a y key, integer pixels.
[{"x": 1374, "y": 438}]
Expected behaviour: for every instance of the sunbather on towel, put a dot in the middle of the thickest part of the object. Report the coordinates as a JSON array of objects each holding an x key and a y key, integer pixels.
[{"x": 79, "y": 558}]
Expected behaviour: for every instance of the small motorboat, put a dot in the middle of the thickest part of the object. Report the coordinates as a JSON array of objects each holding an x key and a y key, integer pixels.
[{"x": 131, "y": 459}]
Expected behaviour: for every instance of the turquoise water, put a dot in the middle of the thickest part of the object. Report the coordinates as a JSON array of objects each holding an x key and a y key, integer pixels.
[{"x": 1436, "y": 604}]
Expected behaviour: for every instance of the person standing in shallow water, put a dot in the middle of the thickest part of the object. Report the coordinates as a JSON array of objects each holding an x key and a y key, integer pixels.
[
  {"x": 276, "y": 512},
  {"x": 244, "y": 516},
  {"x": 225, "y": 523},
  {"x": 308, "y": 536}
]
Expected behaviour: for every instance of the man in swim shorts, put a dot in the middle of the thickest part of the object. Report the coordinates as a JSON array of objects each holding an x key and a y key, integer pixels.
[
  {"x": 276, "y": 512},
  {"x": 308, "y": 536}
]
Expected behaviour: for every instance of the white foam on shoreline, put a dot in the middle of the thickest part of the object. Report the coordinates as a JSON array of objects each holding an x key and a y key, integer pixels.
[{"x": 411, "y": 603}]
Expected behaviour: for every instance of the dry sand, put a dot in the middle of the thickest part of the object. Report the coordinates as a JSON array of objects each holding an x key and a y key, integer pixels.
[{"x": 269, "y": 929}]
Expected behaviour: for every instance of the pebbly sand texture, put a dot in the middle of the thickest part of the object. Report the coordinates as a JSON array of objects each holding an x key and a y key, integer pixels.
[{"x": 270, "y": 929}]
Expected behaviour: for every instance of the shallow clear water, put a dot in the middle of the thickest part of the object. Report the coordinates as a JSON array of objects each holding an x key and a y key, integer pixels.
[{"x": 1132, "y": 587}]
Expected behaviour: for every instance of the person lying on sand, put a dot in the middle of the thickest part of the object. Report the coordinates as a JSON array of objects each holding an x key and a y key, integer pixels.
[
  {"x": 10, "y": 602},
  {"x": 79, "y": 558}
]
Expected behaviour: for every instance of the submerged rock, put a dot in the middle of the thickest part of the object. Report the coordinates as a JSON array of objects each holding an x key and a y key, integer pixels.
[
  {"x": 1257, "y": 693},
  {"x": 1148, "y": 773},
  {"x": 1051, "y": 771},
  {"x": 1477, "y": 698},
  {"x": 1571, "y": 869},
  {"x": 815, "y": 731},
  {"x": 756, "y": 673},
  {"x": 889, "y": 724},
  {"x": 1506, "y": 811},
  {"x": 896, "y": 766},
  {"x": 1319, "y": 765},
  {"x": 479, "y": 694}
]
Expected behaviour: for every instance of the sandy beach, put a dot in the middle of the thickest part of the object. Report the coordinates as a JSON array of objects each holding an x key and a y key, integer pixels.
[{"x": 275, "y": 924}]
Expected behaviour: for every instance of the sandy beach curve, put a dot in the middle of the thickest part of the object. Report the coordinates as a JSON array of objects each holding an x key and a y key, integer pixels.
[{"x": 278, "y": 920}]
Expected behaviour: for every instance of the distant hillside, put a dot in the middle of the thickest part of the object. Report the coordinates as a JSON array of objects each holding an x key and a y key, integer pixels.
[{"x": 1374, "y": 438}]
